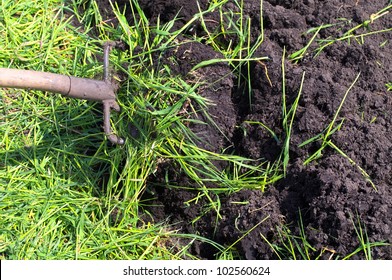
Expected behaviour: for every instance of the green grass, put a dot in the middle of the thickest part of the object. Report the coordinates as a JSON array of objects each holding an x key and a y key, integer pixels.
[
  {"x": 65, "y": 192},
  {"x": 232, "y": 38},
  {"x": 389, "y": 86},
  {"x": 357, "y": 33},
  {"x": 288, "y": 116},
  {"x": 325, "y": 139},
  {"x": 295, "y": 246},
  {"x": 365, "y": 245}
]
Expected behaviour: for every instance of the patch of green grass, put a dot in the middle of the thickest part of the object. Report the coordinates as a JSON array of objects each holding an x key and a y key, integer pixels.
[
  {"x": 325, "y": 139},
  {"x": 365, "y": 244},
  {"x": 229, "y": 249},
  {"x": 300, "y": 54},
  {"x": 65, "y": 192},
  {"x": 290, "y": 246},
  {"x": 233, "y": 38},
  {"x": 357, "y": 33},
  {"x": 389, "y": 86},
  {"x": 153, "y": 103},
  {"x": 288, "y": 116}
]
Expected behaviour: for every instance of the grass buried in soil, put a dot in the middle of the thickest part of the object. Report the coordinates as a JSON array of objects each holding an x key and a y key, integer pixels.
[{"x": 254, "y": 130}]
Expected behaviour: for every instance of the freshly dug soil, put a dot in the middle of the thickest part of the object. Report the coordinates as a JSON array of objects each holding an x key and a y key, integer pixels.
[{"x": 330, "y": 193}]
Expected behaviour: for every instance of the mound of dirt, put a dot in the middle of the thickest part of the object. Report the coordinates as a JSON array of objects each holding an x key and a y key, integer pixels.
[{"x": 330, "y": 193}]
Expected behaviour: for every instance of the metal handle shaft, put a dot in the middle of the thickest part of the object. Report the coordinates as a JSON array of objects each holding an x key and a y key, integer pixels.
[
  {"x": 69, "y": 86},
  {"x": 81, "y": 88}
]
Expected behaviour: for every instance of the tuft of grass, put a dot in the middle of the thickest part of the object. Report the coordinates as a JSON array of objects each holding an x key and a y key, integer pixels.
[
  {"x": 325, "y": 138},
  {"x": 153, "y": 104},
  {"x": 233, "y": 38},
  {"x": 365, "y": 245},
  {"x": 65, "y": 192},
  {"x": 300, "y": 54},
  {"x": 288, "y": 116},
  {"x": 353, "y": 34},
  {"x": 229, "y": 249},
  {"x": 297, "y": 247},
  {"x": 293, "y": 247},
  {"x": 389, "y": 86}
]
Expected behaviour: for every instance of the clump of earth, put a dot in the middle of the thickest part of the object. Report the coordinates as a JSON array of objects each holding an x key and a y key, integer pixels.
[{"x": 327, "y": 198}]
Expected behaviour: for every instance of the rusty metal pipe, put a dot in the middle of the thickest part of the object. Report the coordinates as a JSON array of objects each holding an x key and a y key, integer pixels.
[
  {"x": 74, "y": 87},
  {"x": 69, "y": 86}
]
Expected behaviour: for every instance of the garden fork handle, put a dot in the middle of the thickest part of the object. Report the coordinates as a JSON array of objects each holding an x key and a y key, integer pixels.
[
  {"x": 81, "y": 88},
  {"x": 69, "y": 86}
]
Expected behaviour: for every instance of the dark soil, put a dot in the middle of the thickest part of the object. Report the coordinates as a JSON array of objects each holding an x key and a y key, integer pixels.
[{"x": 330, "y": 193}]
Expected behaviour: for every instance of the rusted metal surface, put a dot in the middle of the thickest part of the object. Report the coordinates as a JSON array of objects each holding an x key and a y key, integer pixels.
[{"x": 70, "y": 86}]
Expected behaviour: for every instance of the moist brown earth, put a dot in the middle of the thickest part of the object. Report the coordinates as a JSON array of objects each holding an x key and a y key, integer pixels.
[{"x": 331, "y": 193}]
